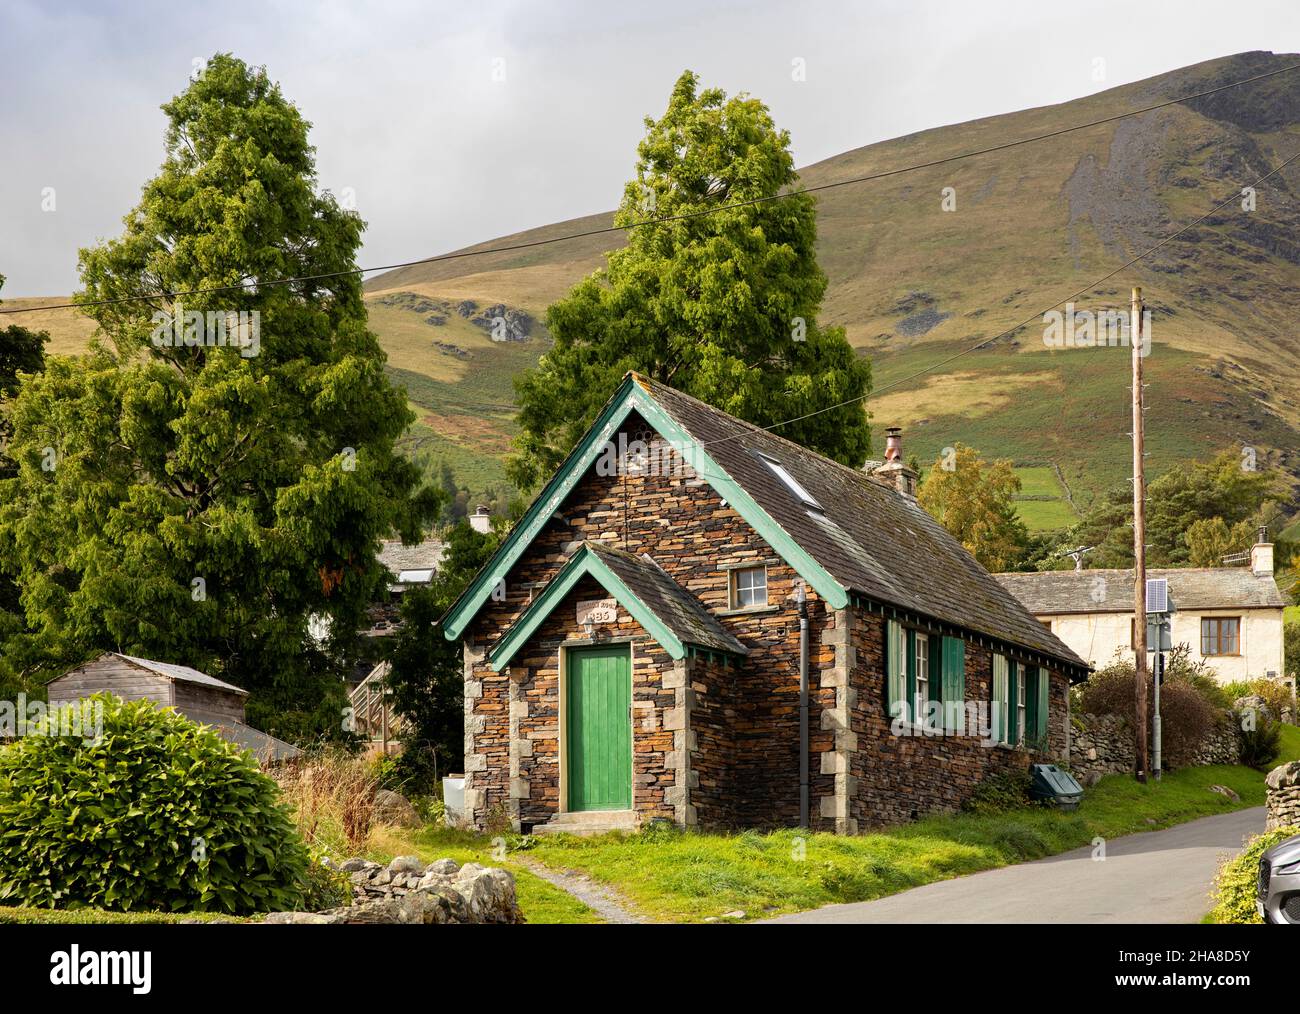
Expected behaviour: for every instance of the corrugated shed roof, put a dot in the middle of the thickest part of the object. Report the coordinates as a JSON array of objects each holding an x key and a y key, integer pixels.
[
  {"x": 1111, "y": 591},
  {"x": 263, "y": 746},
  {"x": 679, "y": 610},
  {"x": 179, "y": 672},
  {"x": 870, "y": 537}
]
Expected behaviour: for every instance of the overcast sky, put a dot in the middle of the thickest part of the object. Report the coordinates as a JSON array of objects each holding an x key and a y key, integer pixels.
[{"x": 439, "y": 154}]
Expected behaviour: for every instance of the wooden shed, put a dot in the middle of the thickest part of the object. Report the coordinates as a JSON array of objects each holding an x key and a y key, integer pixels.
[{"x": 196, "y": 695}]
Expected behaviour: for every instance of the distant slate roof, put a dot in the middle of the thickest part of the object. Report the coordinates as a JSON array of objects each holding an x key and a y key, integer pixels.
[
  {"x": 870, "y": 537},
  {"x": 1111, "y": 591},
  {"x": 179, "y": 672},
  {"x": 679, "y": 610},
  {"x": 412, "y": 564}
]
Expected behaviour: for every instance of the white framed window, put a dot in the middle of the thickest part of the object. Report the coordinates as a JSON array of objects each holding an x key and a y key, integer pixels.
[
  {"x": 1020, "y": 703},
  {"x": 748, "y": 587},
  {"x": 791, "y": 483},
  {"x": 922, "y": 674}
]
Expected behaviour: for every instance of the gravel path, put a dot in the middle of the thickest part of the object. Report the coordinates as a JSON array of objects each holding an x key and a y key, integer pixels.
[{"x": 604, "y": 901}]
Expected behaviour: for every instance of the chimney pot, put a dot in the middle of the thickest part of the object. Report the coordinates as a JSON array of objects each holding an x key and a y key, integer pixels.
[
  {"x": 481, "y": 519},
  {"x": 1261, "y": 556},
  {"x": 894, "y": 443},
  {"x": 894, "y": 472}
]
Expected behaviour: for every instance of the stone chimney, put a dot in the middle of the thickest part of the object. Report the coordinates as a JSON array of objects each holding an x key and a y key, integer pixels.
[
  {"x": 894, "y": 472},
  {"x": 1261, "y": 555},
  {"x": 481, "y": 519}
]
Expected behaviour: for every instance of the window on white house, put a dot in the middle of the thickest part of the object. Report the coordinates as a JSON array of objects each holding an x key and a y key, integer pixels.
[
  {"x": 1221, "y": 635},
  {"x": 791, "y": 483},
  {"x": 749, "y": 588}
]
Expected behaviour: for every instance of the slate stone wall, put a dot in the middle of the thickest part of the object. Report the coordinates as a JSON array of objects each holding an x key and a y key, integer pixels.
[
  {"x": 1103, "y": 745},
  {"x": 897, "y": 778},
  {"x": 689, "y": 531}
]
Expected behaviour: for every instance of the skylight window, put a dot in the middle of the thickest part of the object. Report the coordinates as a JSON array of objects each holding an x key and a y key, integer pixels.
[{"x": 791, "y": 483}]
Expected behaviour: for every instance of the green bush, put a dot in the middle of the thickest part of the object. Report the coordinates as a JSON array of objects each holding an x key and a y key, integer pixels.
[
  {"x": 1235, "y": 886},
  {"x": 155, "y": 812},
  {"x": 1191, "y": 702},
  {"x": 1261, "y": 745},
  {"x": 1000, "y": 793},
  {"x": 1276, "y": 693}
]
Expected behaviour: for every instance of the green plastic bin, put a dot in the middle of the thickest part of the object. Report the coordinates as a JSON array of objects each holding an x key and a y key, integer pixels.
[{"x": 1054, "y": 785}]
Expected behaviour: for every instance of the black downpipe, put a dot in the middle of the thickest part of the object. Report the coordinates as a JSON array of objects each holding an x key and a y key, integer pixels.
[{"x": 803, "y": 707}]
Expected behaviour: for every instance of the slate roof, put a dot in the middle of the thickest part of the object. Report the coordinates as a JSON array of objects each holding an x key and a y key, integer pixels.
[
  {"x": 679, "y": 610},
  {"x": 870, "y": 537},
  {"x": 400, "y": 559},
  {"x": 179, "y": 672},
  {"x": 1111, "y": 591}
]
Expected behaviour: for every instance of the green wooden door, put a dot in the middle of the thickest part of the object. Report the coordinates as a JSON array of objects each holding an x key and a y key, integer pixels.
[{"x": 598, "y": 728}]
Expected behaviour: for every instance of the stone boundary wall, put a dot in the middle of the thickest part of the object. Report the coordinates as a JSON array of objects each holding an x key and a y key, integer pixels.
[
  {"x": 1283, "y": 796},
  {"x": 1104, "y": 746}
]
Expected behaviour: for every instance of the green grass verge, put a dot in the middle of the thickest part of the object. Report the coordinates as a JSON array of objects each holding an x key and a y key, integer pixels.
[
  {"x": 693, "y": 876},
  {"x": 24, "y": 916},
  {"x": 1290, "y": 747}
]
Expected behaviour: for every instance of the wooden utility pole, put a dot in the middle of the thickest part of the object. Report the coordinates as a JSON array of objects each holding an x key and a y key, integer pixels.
[{"x": 1139, "y": 545}]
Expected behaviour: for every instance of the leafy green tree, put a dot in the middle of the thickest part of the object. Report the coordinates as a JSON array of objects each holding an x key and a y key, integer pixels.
[
  {"x": 426, "y": 678},
  {"x": 199, "y": 502},
  {"x": 973, "y": 499},
  {"x": 1219, "y": 488},
  {"x": 21, "y": 351},
  {"x": 721, "y": 304},
  {"x": 1209, "y": 540}
]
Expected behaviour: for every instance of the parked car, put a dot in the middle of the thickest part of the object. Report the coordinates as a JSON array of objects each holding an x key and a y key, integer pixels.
[{"x": 1278, "y": 899}]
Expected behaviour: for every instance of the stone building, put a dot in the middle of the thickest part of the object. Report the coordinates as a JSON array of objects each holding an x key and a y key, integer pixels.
[
  {"x": 637, "y": 647},
  {"x": 1229, "y": 617}
]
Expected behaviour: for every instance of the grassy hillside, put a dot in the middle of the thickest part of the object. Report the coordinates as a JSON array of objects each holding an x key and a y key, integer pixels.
[{"x": 912, "y": 284}]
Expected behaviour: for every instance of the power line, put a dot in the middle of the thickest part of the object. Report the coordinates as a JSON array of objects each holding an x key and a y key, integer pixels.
[
  {"x": 1016, "y": 327},
  {"x": 685, "y": 216}
]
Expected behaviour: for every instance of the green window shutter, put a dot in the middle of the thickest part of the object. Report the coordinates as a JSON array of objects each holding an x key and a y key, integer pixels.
[
  {"x": 998, "y": 704},
  {"x": 894, "y": 667},
  {"x": 937, "y": 667},
  {"x": 954, "y": 681},
  {"x": 1044, "y": 712}
]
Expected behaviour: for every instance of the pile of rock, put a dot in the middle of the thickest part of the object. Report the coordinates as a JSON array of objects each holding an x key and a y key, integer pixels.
[
  {"x": 504, "y": 323},
  {"x": 407, "y": 891},
  {"x": 1283, "y": 796}
]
